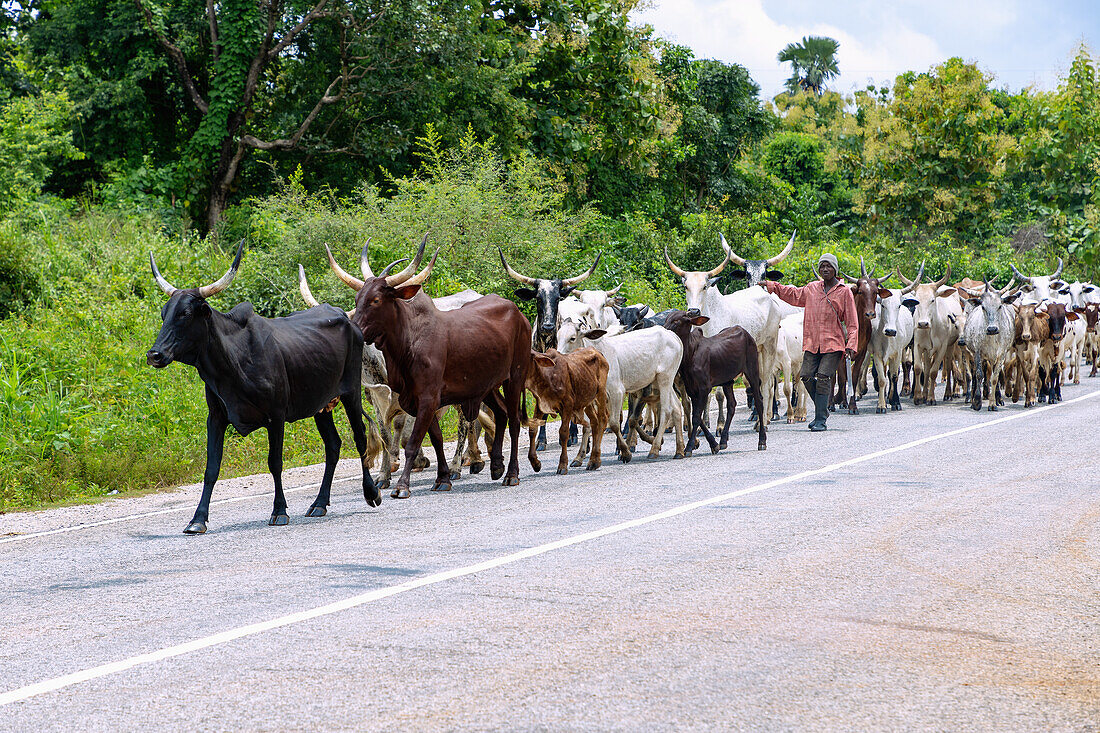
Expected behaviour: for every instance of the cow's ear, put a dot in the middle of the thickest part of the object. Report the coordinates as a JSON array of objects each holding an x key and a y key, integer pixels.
[
  {"x": 1072, "y": 316},
  {"x": 1010, "y": 298},
  {"x": 884, "y": 293},
  {"x": 910, "y": 302},
  {"x": 525, "y": 293},
  {"x": 945, "y": 292},
  {"x": 1057, "y": 284},
  {"x": 542, "y": 359},
  {"x": 406, "y": 291},
  {"x": 644, "y": 310},
  {"x": 775, "y": 275},
  {"x": 974, "y": 301},
  {"x": 203, "y": 308},
  {"x": 618, "y": 300},
  {"x": 713, "y": 282},
  {"x": 739, "y": 274},
  {"x": 1088, "y": 288},
  {"x": 596, "y": 334},
  {"x": 699, "y": 320},
  {"x": 616, "y": 310},
  {"x": 567, "y": 289}
]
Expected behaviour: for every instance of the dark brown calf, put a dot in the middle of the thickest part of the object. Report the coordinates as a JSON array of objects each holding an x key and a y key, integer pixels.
[
  {"x": 570, "y": 385},
  {"x": 1090, "y": 312},
  {"x": 866, "y": 289},
  {"x": 712, "y": 362}
]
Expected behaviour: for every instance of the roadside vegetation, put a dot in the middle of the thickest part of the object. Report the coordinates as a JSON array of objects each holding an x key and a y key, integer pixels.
[{"x": 590, "y": 137}]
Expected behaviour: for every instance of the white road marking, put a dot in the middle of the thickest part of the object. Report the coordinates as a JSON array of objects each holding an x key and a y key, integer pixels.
[
  {"x": 57, "y": 683},
  {"x": 158, "y": 512}
]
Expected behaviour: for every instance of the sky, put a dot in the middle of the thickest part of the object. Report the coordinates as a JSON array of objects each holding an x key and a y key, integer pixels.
[{"x": 1020, "y": 42}]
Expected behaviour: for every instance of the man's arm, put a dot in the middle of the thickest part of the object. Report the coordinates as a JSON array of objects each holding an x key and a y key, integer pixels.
[{"x": 788, "y": 293}]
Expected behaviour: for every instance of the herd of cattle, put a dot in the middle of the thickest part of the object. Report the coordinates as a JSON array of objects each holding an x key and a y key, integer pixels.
[{"x": 588, "y": 354}]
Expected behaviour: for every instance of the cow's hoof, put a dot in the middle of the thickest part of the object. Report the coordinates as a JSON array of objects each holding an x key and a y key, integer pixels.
[
  {"x": 401, "y": 492},
  {"x": 625, "y": 456},
  {"x": 442, "y": 485},
  {"x": 317, "y": 511},
  {"x": 723, "y": 445},
  {"x": 976, "y": 406},
  {"x": 382, "y": 485},
  {"x": 992, "y": 408},
  {"x": 880, "y": 410},
  {"x": 654, "y": 454},
  {"x": 536, "y": 465},
  {"x": 562, "y": 471},
  {"x": 541, "y": 445},
  {"x": 496, "y": 471},
  {"x": 714, "y": 450},
  {"x": 576, "y": 463},
  {"x": 372, "y": 495},
  {"x": 592, "y": 467},
  {"x": 278, "y": 520},
  {"x": 195, "y": 528},
  {"x": 455, "y": 475},
  {"x": 510, "y": 481},
  {"x": 477, "y": 466},
  {"x": 761, "y": 446}
]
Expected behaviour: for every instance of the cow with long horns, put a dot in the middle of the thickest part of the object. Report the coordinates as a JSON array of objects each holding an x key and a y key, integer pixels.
[
  {"x": 755, "y": 271},
  {"x": 1039, "y": 288},
  {"x": 473, "y": 355},
  {"x": 866, "y": 290},
  {"x": 990, "y": 330},
  {"x": 937, "y": 319},
  {"x": 263, "y": 373}
]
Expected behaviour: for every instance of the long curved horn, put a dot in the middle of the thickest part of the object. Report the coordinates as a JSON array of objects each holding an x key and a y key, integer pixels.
[
  {"x": 513, "y": 274},
  {"x": 1058, "y": 271},
  {"x": 672, "y": 265},
  {"x": 364, "y": 264},
  {"x": 1019, "y": 274},
  {"x": 419, "y": 279},
  {"x": 786, "y": 251},
  {"x": 729, "y": 252},
  {"x": 936, "y": 285},
  {"x": 223, "y": 282},
  {"x": 352, "y": 282},
  {"x": 303, "y": 288},
  {"x": 910, "y": 284},
  {"x": 716, "y": 270},
  {"x": 166, "y": 286},
  {"x": 394, "y": 280},
  {"x": 387, "y": 268},
  {"x": 862, "y": 267},
  {"x": 585, "y": 276},
  {"x": 971, "y": 293},
  {"x": 1004, "y": 291},
  {"x": 613, "y": 290}
]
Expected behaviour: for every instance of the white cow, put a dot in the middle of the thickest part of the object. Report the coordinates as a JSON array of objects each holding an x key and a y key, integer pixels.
[
  {"x": 890, "y": 335},
  {"x": 753, "y": 309},
  {"x": 990, "y": 330},
  {"x": 788, "y": 353},
  {"x": 600, "y": 302},
  {"x": 938, "y": 320},
  {"x": 649, "y": 357},
  {"x": 1039, "y": 288}
]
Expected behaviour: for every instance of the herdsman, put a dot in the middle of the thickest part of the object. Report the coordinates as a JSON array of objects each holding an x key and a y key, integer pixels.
[{"x": 829, "y": 331}]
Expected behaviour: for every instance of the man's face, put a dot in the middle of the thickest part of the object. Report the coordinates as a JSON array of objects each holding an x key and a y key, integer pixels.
[{"x": 827, "y": 271}]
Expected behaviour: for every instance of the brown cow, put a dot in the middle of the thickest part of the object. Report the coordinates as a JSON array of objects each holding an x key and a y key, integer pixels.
[
  {"x": 866, "y": 289},
  {"x": 1032, "y": 331},
  {"x": 715, "y": 362},
  {"x": 1092, "y": 339},
  {"x": 570, "y": 385},
  {"x": 433, "y": 358}
]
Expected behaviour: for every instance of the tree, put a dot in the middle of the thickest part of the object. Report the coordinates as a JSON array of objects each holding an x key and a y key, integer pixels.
[
  {"x": 227, "y": 73},
  {"x": 813, "y": 63}
]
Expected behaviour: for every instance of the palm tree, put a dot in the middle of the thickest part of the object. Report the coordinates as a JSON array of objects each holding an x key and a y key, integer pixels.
[{"x": 813, "y": 63}]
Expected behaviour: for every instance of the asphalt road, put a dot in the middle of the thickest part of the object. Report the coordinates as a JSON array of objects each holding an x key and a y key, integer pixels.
[{"x": 929, "y": 569}]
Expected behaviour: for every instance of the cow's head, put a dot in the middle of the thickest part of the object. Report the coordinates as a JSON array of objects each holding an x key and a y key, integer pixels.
[
  {"x": 922, "y": 298},
  {"x": 1026, "y": 318},
  {"x": 990, "y": 300},
  {"x": 1056, "y": 317},
  {"x": 546, "y": 293},
  {"x": 681, "y": 322},
  {"x": 867, "y": 289},
  {"x": 602, "y": 303},
  {"x": 697, "y": 282},
  {"x": 753, "y": 271},
  {"x": 1079, "y": 293},
  {"x": 1039, "y": 288},
  {"x": 376, "y": 296},
  {"x": 631, "y": 317},
  {"x": 1090, "y": 313},
  {"x": 186, "y": 317}
]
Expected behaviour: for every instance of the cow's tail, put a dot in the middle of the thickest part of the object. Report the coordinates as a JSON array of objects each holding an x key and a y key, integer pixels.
[{"x": 375, "y": 445}]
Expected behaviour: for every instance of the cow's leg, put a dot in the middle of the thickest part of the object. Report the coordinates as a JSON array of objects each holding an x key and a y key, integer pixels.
[
  {"x": 615, "y": 412},
  {"x": 443, "y": 471},
  {"x": 598, "y": 417},
  {"x": 331, "y": 438},
  {"x": 976, "y": 389},
  {"x": 666, "y": 396},
  {"x": 216, "y": 425},
  {"x": 563, "y": 441},
  {"x": 513, "y": 398},
  {"x": 455, "y": 467},
  {"x": 532, "y": 432},
  {"x": 353, "y": 408},
  {"x": 721, "y": 400},
  {"x": 582, "y": 417},
  {"x": 731, "y": 400},
  {"x": 880, "y": 381},
  {"x": 496, "y": 452},
  {"x": 541, "y": 440},
  {"x": 425, "y": 413},
  {"x": 275, "y": 433}
]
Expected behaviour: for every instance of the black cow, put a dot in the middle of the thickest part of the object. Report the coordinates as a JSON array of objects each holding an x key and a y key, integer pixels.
[
  {"x": 263, "y": 373},
  {"x": 634, "y": 317},
  {"x": 753, "y": 271},
  {"x": 547, "y": 293}
]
